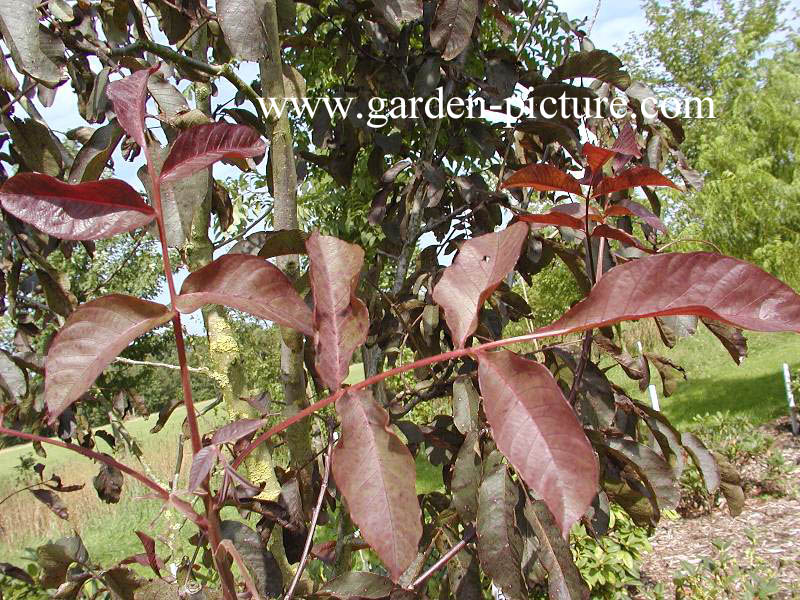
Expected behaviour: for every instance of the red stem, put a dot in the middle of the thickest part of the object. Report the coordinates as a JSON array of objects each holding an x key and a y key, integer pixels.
[
  {"x": 424, "y": 362},
  {"x": 191, "y": 413}
]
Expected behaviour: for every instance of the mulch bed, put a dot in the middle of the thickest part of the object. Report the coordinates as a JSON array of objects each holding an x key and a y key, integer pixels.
[{"x": 775, "y": 523}]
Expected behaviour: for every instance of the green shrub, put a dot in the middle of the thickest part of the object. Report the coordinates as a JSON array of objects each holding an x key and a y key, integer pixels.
[{"x": 610, "y": 564}]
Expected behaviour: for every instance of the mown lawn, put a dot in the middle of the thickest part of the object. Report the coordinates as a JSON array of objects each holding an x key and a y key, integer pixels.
[{"x": 716, "y": 383}]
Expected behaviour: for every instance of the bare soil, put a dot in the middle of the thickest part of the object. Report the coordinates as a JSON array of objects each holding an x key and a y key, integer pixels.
[{"x": 773, "y": 522}]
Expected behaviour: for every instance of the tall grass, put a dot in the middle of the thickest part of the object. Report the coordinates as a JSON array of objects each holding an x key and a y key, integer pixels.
[{"x": 107, "y": 530}]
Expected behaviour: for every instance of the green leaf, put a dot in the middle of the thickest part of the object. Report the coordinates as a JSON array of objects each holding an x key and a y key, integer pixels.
[
  {"x": 467, "y": 477},
  {"x": 499, "y": 541},
  {"x": 564, "y": 580},
  {"x": 262, "y": 565}
]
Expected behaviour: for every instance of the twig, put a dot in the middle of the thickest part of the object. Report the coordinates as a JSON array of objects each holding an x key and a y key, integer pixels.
[
  {"x": 693, "y": 241},
  {"x": 146, "y": 363},
  {"x": 168, "y": 53},
  {"x": 18, "y": 97},
  {"x": 310, "y": 537},
  {"x": 445, "y": 558},
  {"x": 594, "y": 18}
]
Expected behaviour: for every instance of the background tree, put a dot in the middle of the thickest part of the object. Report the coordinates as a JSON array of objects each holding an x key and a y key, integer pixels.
[{"x": 743, "y": 55}]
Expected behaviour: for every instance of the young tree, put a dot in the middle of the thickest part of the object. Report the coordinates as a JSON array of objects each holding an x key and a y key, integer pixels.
[{"x": 533, "y": 442}]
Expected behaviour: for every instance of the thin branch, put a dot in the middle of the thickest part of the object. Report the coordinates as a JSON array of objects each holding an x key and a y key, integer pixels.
[
  {"x": 169, "y": 54},
  {"x": 423, "y": 362},
  {"x": 103, "y": 458},
  {"x": 18, "y": 97},
  {"x": 445, "y": 558},
  {"x": 693, "y": 241},
  {"x": 310, "y": 537},
  {"x": 147, "y": 363}
]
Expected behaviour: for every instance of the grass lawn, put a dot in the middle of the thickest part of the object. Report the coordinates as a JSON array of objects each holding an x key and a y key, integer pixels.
[
  {"x": 26, "y": 523},
  {"x": 716, "y": 383}
]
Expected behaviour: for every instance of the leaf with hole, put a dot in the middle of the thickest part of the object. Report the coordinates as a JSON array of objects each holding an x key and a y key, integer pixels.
[
  {"x": 376, "y": 474},
  {"x": 452, "y": 26},
  {"x": 250, "y": 284},
  {"x": 86, "y": 211},
  {"x": 537, "y": 430},
  {"x": 481, "y": 265},
  {"x": 201, "y": 146},
  {"x": 340, "y": 319},
  {"x": 90, "y": 340}
]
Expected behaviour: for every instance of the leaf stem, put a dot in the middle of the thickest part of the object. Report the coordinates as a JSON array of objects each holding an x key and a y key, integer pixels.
[
  {"x": 191, "y": 413},
  {"x": 423, "y": 362},
  {"x": 445, "y": 558}
]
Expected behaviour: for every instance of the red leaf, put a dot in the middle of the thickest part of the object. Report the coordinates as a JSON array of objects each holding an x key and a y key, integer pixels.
[
  {"x": 235, "y": 431},
  {"x": 536, "y": 429},
  {"x": 86, "y": 211},
  {"x": 543, "y": 177},
  {"x": 202, "y": 463},
  {"x": 129, "y": 96},
  {"x": 626, "y": 142},
  {"x": 559, "y": 219},
  {"x": 203, "y": 145},
  {"x": 633, "y": 177},
  {"x": 91, "y": 338},
  {"x": 629, "y": 207},
  {"x": 614, "y": 233},
  {"x": 376, "y": 474},
  {"x": 480, "y": 266},
  {"x": 697, "y": 283},
  {"x": 596, "y": 157},
  {"x": 341, "y": 320},
  {"x": 150, "y": 552},
  {"x": 247, "y": 283}
]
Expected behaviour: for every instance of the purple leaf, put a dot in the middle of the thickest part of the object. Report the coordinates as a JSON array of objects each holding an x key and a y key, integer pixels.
[
  {"x": 376, "y": 474},
  {"x": 697, "y": 283},
  {"x": 341, "y": 320},
  {"x": 247, "y": 283},
  {"x": 233, "y": 432},
  {"x": 85, "y": 211},
  {"x": 129, "y": 96},
  {"x": 482, "y": 263},
  {"x": 202, "y": 463},
  {"x": 536, "y": 429},
  {"x": 91, "y": 338},
  {"x": 203, "y": 145}
]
